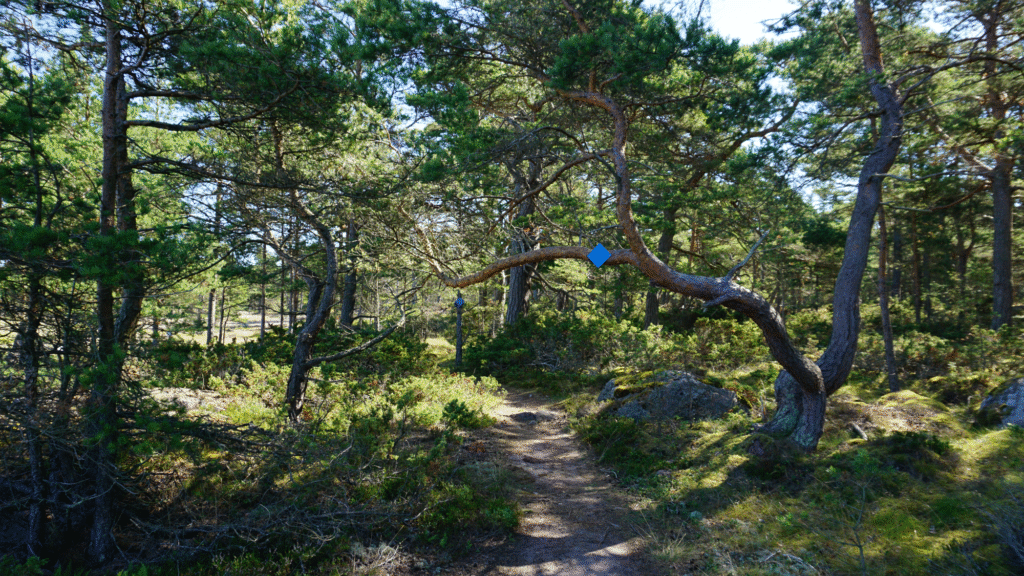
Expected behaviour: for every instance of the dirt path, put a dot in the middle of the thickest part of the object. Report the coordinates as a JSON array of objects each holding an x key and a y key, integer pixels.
[{"x": 574, "y": 520}]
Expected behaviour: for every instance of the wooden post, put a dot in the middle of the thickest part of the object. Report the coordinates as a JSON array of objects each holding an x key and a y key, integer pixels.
[{"x": 459, "y": 302}]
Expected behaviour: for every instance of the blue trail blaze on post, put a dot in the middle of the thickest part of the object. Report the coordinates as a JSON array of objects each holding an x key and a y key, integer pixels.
[{"x": 599, "y": 255}]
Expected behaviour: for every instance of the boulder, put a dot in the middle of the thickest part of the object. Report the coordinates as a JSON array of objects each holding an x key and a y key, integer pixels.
[
  {"x": 667, "y": 394},
  {"x": 1005, "y": 404},
  {"x": 608, "y": 392}
]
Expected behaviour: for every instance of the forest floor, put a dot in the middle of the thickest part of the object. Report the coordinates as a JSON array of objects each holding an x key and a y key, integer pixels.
[{"x": 575, "y": 521}]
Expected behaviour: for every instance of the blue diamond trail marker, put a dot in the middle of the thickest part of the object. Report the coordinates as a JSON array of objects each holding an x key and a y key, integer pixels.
[{"x": 599, "y": 255}]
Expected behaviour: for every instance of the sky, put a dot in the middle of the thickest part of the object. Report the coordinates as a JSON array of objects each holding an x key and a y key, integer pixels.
[{"x": 742, "y": 18}]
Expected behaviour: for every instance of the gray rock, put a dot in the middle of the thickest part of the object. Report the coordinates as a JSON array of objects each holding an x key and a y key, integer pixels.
[
  {"x": 672, "y": 394},
  {"x": 608, "y": 392},
  {"x": 1005, "y": 404}
]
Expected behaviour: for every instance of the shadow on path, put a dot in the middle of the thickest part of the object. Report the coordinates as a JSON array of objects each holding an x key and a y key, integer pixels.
[{"x": 575, "y": 521}]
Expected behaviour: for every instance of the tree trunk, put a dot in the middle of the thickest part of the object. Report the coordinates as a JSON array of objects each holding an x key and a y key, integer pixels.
[
  {"x": 520, "y": 278},
  {"x": 926, "y": 284},
  {"x": 998, "y": 105},
  {"x": 668, "y": 233},
  {"x": 348, "y": 296},
  {"x": 801, "y": 412},
  {"x": 284, "y": 284},
  {"x": 263, "y": 292},
  {"x": 651, "y": 307},
  {"x": 30, "y": 362},
  {"x": 1002, "y": 243},
  {"x": 317, "y": 311},
  {"x": 211, "y": 307},
  {"x": 883, "y": 302},
  {"x": 962, "y": 252},
  {"x": 100, "y": 415},
  {"x": 293, "y": 303},
  {"x": 376, "y": 306},
  {"x": 211, "y": 315},
  {"x": 222, "y": 324},
  {"x": 518, "y": 295},
  {"x": 30, "y": 351},
  {"x": 916, "y": 268},
  {"x": 896, "y": 290},
  {"x": 618, "y": 302},
  {"x": 458, "y": 334}
]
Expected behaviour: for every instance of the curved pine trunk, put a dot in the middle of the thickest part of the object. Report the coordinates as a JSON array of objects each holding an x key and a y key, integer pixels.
[
  {"x": 801, "y": 413},
  {"x": 318, "y": 309}
]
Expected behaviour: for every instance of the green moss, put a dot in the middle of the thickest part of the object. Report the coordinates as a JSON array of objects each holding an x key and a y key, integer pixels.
[
  {"x": 951, "y": 512},
  {"x": 626, "y": 385},
  {"x": 908, "y": 397},
  {"x": 998, "y": 453},
  {"x": 895, "y": 522},
  {"x": 956, "y": 388}
]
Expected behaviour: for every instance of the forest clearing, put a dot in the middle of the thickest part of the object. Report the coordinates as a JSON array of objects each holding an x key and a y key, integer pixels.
[{"x": 495, "y": 287}]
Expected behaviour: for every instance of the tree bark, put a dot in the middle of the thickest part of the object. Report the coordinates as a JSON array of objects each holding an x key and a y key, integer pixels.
[
  {"x": 293, "y": 303},
  {"x": 915, "y": 253},
  {"x": 211, "y": 316},
  {"x": 668, "y": 233},
  {"x": 896, "y": 290},
  {"x": 1001, "y": 178},
  {"x": 651, "y": 306},
  {"x": 1002, "y": 243},
  {"x": 117, "y": 215},
  {"x": 30, "y": 360},
  {"x": 101, "y": 413},
  {"x": 318, "y": 308},
  {"x": 801, "y": 411},
  {"x": 348, "y": 296},
  {"x": 263, "y": 291},
  {"x": 520, "y": 278},
  {"x": 883, "y": 303},
  {"x": 222, "y": 323},
  {"x": 31, "y": 350},
  {"x": 619, "y": 301}
]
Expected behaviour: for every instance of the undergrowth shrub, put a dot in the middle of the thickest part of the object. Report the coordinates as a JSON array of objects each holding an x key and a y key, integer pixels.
[
  {"x": 454, "y": 509},
  {"x": 723, "y": 345},
  {"x": 592, "y": 342},
  {"x": 622, "y": 443},
  {"x": 556, "y": 342},
  {"x": 177, "y": 363},
  {"x": 922, "y": 455},
  {"x": 400, "y": 353},
  {"x": 952, "y": 363},
  {"x": 810, "y": 328}
]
